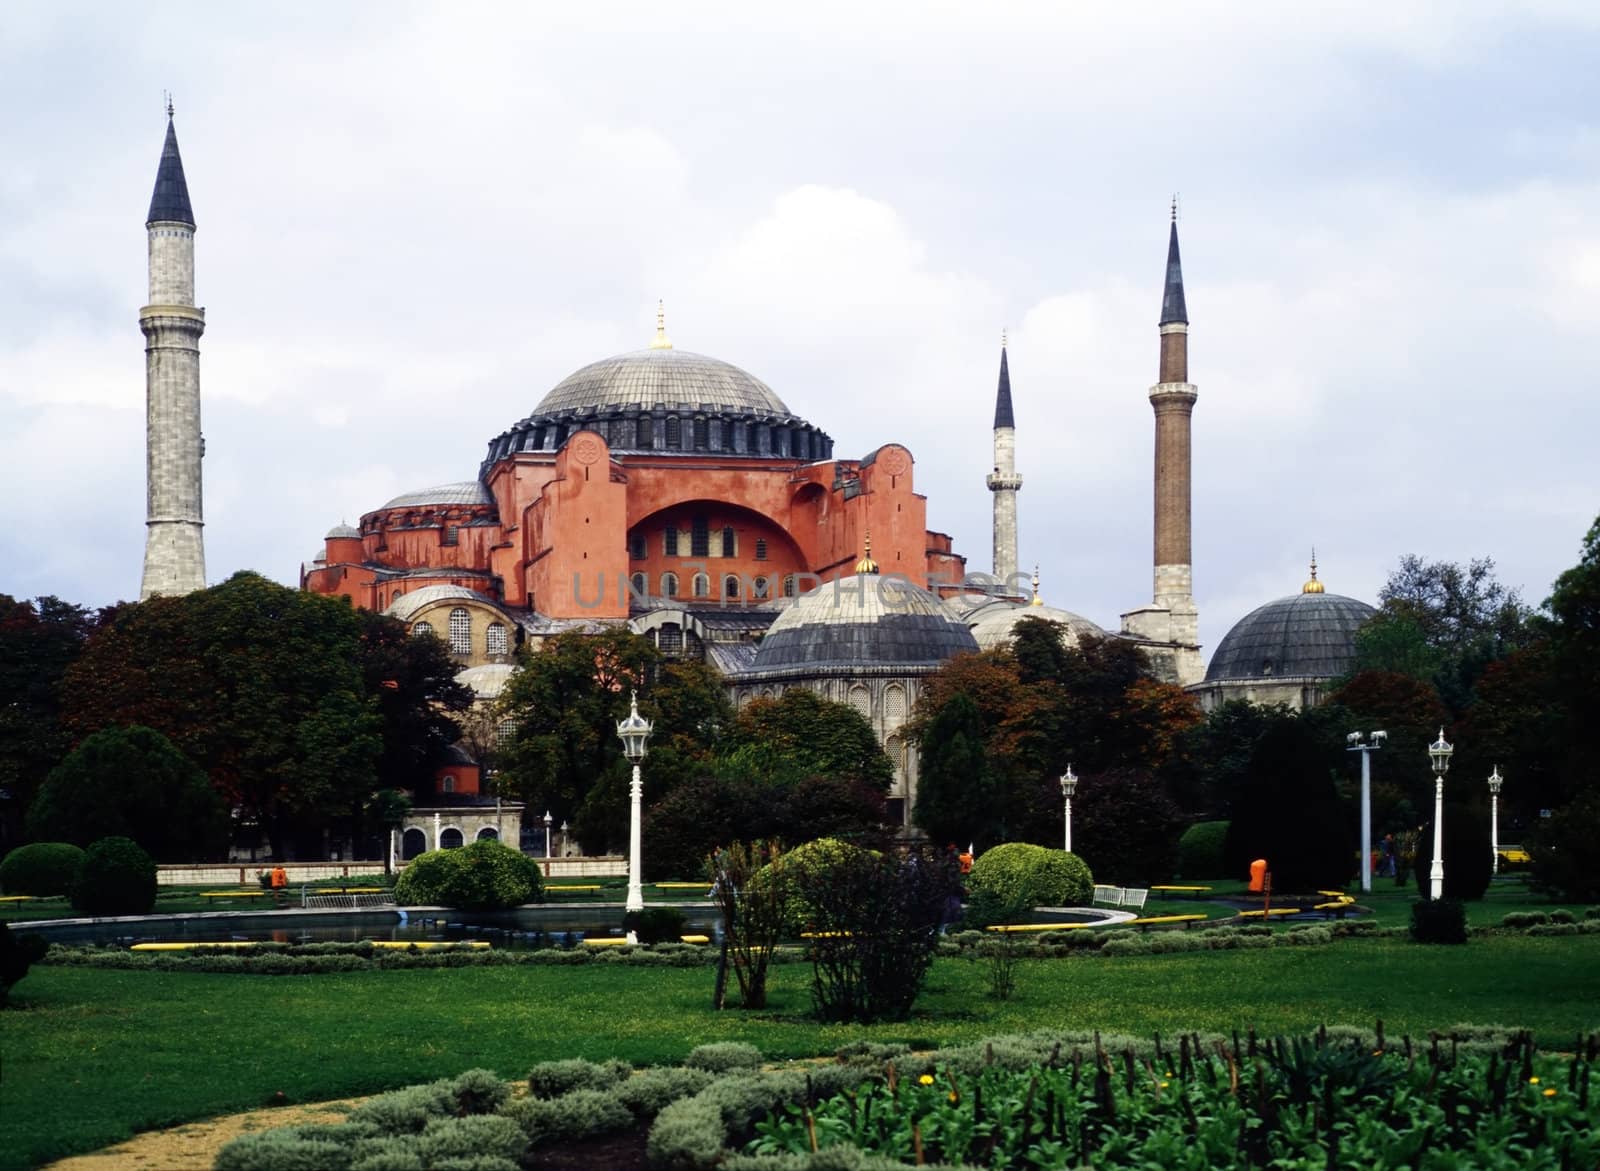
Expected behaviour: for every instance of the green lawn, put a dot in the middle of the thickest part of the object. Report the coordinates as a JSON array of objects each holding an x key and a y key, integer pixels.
[{"x": 92, "y": 1056}]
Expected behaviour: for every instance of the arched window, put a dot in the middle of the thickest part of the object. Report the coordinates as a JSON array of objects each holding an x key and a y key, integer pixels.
[
  {"x": 447, "y": 783},
  {"x": 421, "y": 628},
  {"x": 674, "y": 433},
  {"x": 760, "y": 587},
  {"x": 730, "y": 546},
  {"x": 669, "y": 585},
  {"x": 637, "y": 548},
  {"x": 460, "y": 632},
  {"x": 894, "y": 705},
  {"x": 669, "y": 638},
  {"x": 645, "y": 433},
  {"x": 861, "y": 700},
  {"x": 761, "y": 549},
  {"x": 702, "y": 434},
  {"x": 504, "y": 732},
  {"x": 488, "y": 833},
  {"x": 412, "y": 843},
  {"x": 788, "y": 585},
  {"x": 730, "y": 586},
  {"x": 494, "y": 639},
  {"x": 699, "y": 537},
  {"x": 450, "y": 839},
  {"x": 702, "y": 585},
  {"x": 639, "y": 584}
]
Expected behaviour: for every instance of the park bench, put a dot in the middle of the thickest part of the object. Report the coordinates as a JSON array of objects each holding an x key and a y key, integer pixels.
[
  {"x": 427, "y": 943},
  {"x": 680, "y": 885},
  {"x": 1265, "y": 914},
  {"x": 233, "y": 894},
  {"x": 607, "y": 942},
  {"x": 694, "y": 939},
  {"x": 17, "y": 898},
  {"x": 231, "y": 943},
  {"x": 1192, "y": 892},
  {"x": 1110, "y": 896},
  {"x": 1134, "y": 897}
]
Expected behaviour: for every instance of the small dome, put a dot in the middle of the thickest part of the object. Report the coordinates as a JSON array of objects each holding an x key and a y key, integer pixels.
[
  {"x": 997, "y": 627},
  {"x": 1306, "y": 635},
  {"x": 864, "y": 621},
  {"x": 466, "y": 492},
  {"x": 407, "y": 605},
  {"x": 487, "y": 681},
  {"x": 664, "y": 378},
  {"x": 343, "y": 532}
]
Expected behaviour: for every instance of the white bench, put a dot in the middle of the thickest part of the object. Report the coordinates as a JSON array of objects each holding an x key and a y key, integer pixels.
[
  {"x": 1111, "y": 896},
  {"x": 1132, "y": 897}
]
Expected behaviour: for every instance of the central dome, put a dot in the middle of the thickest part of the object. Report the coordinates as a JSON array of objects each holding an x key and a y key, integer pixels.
[{"x": 662, "y": 378}]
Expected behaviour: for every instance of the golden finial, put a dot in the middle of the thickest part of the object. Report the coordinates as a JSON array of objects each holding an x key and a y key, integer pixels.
[
  {"x": 661, "y": 342},
  {"x": 866, "y": 564},
  {"x": 1037, "y": 600},
  {"x": 1313, "y": 586}
]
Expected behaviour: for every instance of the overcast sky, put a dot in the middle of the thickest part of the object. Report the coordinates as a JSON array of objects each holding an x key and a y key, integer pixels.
[{"x": 416, "y": 219}]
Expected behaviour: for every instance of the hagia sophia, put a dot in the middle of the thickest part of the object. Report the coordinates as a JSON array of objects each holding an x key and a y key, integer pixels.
[{"x": 682, "y": 496}]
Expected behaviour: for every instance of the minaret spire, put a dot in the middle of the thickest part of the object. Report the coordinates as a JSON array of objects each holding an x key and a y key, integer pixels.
[
  {"x": 660, "y": 342},
  {"x": 174, "y": 551},
  {"x": 1004, "y": 482},
  {"x": 1172, "y": 619}
]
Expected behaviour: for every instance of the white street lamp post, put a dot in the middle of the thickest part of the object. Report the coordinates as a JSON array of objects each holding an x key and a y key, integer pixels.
[
  {"x": 634, "y": 732},
  {"x": 1439, "y": 754},
  {"x": 1069, "y": 786},
  {"x": 547, "y": 820},
  {"x": 1366, "y": 751},
  {"x": 1495, "y": 781}
]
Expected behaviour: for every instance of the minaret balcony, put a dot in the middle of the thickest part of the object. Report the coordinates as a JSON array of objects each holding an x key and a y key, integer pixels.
[{"x": 999, "y": 483}]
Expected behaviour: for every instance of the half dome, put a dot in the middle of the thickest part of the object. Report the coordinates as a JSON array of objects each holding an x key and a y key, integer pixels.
[
  {"x": 1306, "y": 635},
  {"x": 862, "y": 624},
  {"x": 998, "y": 627},
  {"x": 465, "y": 492}
]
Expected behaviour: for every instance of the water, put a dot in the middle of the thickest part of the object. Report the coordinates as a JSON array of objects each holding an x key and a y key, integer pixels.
[{"x": 525, "y": 927}]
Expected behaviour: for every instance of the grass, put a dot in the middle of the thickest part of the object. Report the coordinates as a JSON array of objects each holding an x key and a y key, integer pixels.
[{"x": 93, "y": 1056}]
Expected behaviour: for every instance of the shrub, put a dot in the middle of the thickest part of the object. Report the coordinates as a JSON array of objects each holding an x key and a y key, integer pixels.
[
  {"x": 1562, "y": 850},
  {"x": 723, "y": 1056},
  {"x": 1288, "y": 812},
  {"x": 1439, "y": 921},
  {"x": 484, "y": 876},
  {"x": 17, "y": 954},
  {"x": 282, "y": 1150},
  {"x": 406, "y": 1111},
  {"x": 1128, "y": 826},
  {"x": 649, "y": 1091},
  {"x": 473, "y": 1137},
  {"x": 688, "y": 1133},
  {"x": 655, "y": 924},
  {"x": 42, "y": 868},
  {"x": 1562, "y": 915},
  {"x": 1019, "y": 873},
  {"x": 1521, "y": 920},
  {"x": 116, "y": 878},
  {"x": 575, "y": 1115},
  {"x": 1468, "y": 864},
  {"x": 551, "y": 1079},
  {"x": 1200, "y": 850},
  {"x": 751, "y": 892}
]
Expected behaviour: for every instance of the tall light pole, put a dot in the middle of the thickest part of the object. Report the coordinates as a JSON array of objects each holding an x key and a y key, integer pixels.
[
  {"x": 547, "y": 820},
  {"x": 634, "y": 732},
  {"x": 1439, "y": 754},
  {"x": 1366, "y": 751},
  {"x": 1495, "y": 781},
  {"x": 1069, "y": 786}
]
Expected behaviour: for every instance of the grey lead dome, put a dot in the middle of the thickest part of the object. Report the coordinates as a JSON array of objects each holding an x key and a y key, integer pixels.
[
  {"x": 1302, "y": 635},
  {"x": 662, "y": 378}
]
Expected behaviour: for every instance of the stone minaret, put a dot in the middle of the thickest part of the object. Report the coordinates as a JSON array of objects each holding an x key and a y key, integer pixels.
[
  {"x": 174, "y": 551},
  {"x": 1172, "y": 619},
  {"x": 1004, "y": 481}
]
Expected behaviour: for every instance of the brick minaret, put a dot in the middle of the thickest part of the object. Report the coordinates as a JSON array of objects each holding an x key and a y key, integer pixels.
[
  {"x": 1172, "y": 618},
  {"x": 174, "y": 551},
  {"x": 1004, "y": 481}
]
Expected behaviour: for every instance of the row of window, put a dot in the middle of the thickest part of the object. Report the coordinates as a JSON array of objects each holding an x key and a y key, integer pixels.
[
  {"x": 495, "y": 641},
  {"x": 700, "y": 586},
  {"x": 702, "y": 542}
]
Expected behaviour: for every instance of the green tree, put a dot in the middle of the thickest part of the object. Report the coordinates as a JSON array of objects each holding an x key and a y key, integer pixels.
[
  {"x": 134, "y": 783},
  {"x": 38, "y": 641},
  {"x": 801, "y": 734},
  {"x": 1574, "y": 635},
  {"x": 958, "y": 794},
  {"x": 419, "y": 701},
  {"x": 1289, "y": 812},
  {"x": 260, "y": 685}
]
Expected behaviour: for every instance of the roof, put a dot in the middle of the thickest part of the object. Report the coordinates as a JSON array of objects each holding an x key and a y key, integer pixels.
[
  {"x": 1173, "y": 309},
  {"x": 169, "y": 202},
  {"x": 343, "y": 532},
  {"x": 407, "y": 606},
  {"x": 487, "y": 681},
  {"x": 1300, "y": 636},
  {"x": 662, "y": 377},
  {"x": 997, "y": 627},
  {"x": 1002, "y": 399},
  {"x": 866, "y": 622},
  {"x": 464, "y": 492}
]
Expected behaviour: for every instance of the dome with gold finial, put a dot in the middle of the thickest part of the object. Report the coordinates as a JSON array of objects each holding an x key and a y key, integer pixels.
[
  {"x": 866, "y": 564},
  {"x": 997, "y": 625},
  {"x": 1309, "y": 635}
]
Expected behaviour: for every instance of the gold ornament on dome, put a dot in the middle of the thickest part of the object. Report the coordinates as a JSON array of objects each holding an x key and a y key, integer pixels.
[
  {"x": 660, "y": 342},
  {"x": 866, "y": 564},
  {"x": 1313, "y": 586}
]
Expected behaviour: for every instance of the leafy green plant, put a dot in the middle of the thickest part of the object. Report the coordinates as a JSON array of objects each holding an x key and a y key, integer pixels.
[
  {"x": 655, "y": 924},
  {"x": 116, "y": 877},
  {"x": 724, "y": 1056},
  {"x": 41, "y": 869},
  {"x": 1438, "y": 921},
  {"x": 552, "y": 1079},
  {"x": 1200, "y": 850},
  {"x": 1022, "y": 874},
  {"x": 484, "y": 876},
  {"x": 17, "y": 954},
  {"x": 751, "y": 890}
]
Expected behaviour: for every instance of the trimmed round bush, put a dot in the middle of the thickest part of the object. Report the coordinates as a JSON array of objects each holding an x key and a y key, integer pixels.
[
  {"x": 818, "y": 853},
  {"x": 485, "y": 876},
  {"x": 1468, "y": 866},
  {"x": 1022, "y": 874},
  {"x": 1200, "y": 850},
  {"x": 42, "y": 868},
  {"x": 117, "y": 877}
]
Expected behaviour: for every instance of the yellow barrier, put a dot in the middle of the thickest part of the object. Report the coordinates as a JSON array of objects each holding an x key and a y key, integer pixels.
[
  {"x": 1010, "y": 927},
  {"x": 681, "y": 885},
  {"x": 596, "y": 886},
  {"x": 233, "y": 894},
  {"x": 1183, "y": 889},
  {"x": 605, "y": 943},
  {"x": 694, "y": 938},
  {"x": 190, "y": 946},
  {"x": 426, "y": 943},
  {"x": 1170, "y": 919},
  {"x": 17, "y": 898},
  {"x": 1274, "y": 911}
]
